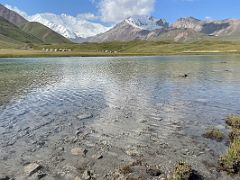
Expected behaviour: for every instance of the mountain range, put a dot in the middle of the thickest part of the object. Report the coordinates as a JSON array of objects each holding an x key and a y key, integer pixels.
[
  {"x": 183, "y": 30},
  {"x": 50, "y": 28}
]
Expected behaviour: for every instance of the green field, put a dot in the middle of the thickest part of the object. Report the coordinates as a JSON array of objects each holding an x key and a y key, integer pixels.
[{"x": 133, "y": 48}]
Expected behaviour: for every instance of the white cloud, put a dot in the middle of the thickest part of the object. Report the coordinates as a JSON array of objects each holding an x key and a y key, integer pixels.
[
  {"x": 117, "y": 10},
  {"x": 87, "y": 16}
]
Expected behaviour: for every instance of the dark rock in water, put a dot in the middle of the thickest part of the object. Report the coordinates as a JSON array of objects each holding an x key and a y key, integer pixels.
[
  {"x": 61, "y": 148},
  {"x": 78, "y": 132},
  {"x": 153, "y": 171},
  {"x": 84, "y": 116},
  {"x": 184, "y": 76},
  {"x": 41, "y": 175},
  {"x": 86, "y": 175},
  {"x": 5, "y": 178},
  {"x": 97, "y": 156}
]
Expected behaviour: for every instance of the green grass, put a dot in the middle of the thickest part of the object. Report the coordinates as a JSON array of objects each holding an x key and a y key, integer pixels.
[
  {"x": 133, "y": 48},
  {"x": 43, "y": 33},
  {"x": 10, "y": 33},
  {"x": 234, "y": 134},
  {"x": 230, "y": 162},
  {"x": 156, "y": 47}
]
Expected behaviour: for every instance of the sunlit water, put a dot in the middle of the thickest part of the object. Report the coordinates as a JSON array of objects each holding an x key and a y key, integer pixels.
[{"x": 133, "y": 101}]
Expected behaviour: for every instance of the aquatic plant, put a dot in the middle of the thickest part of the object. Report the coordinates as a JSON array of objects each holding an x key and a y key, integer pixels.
[
  {"x": 183, "y": 171},
  {"x": 234, "y": 134},
  {"x": 233, "y": 121},
  {"x": 213, "y": 133},
  {"x": 125, "y": 170}
]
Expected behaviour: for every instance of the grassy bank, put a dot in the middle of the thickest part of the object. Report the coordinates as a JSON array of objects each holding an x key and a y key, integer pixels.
[{"x": 133, "y": 48}]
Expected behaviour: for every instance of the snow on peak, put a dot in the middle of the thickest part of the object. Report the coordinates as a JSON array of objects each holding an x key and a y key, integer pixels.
[
  {"x": 146, "y": 22},
  {"x": 69, "y": 26}
]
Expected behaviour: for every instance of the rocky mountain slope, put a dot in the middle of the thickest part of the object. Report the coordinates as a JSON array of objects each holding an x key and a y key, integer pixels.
[
  {"x": 12, "y": 16},
  {"x": 15, "y": 27}
]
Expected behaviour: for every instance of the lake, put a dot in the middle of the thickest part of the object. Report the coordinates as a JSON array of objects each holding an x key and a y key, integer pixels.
[{"x": 69, "y": 115}]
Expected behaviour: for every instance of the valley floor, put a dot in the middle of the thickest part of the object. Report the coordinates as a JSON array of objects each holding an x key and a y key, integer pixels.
[{"x": 133, "y": 48}]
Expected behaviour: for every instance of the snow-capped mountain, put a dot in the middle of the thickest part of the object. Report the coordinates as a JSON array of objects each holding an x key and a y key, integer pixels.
[
  {"x": 69, "y": 26},
  {"x": 148, "y": 23},
  {"x": 135, "y": 27}
]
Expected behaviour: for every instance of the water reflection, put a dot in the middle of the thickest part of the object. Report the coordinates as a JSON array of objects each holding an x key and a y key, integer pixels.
[{"x": 138, "y": 101}]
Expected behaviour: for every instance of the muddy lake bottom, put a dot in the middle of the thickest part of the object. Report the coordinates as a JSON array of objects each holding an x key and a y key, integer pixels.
[{"x": 114, "y": 118}]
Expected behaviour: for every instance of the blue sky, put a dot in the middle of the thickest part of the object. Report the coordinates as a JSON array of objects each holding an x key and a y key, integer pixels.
[{"x": 112, "y": 11}]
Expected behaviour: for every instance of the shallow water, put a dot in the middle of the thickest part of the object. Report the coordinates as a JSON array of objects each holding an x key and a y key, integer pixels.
[{"x": 142, "y": 104}]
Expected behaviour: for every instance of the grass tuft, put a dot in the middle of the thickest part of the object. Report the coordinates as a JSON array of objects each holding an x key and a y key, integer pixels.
[
  {"x": 125, "y": 170},
  {"x": 230, "y": 162},
  {"x": 233, "y": 121},
  {"x": 234, "y": 134},
  {"x": 214, "y": 133},
  {"x": 183, "y": 171}
]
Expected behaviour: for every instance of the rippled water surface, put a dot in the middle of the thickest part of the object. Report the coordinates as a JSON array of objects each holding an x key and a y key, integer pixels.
[{"x": 142, "y": 104}]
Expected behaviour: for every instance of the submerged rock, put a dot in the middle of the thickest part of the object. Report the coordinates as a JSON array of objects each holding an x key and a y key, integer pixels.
[
  {"x": 79, "y": 152},
  {"x": 5, "y": 178},
  {"x": 132, "y": 152},
  {"x": 87, "y": 175},
  {"x": 85, "y": 116},
  {"x": 97, "y": 156},
  {"x": 32, "y": 168}
]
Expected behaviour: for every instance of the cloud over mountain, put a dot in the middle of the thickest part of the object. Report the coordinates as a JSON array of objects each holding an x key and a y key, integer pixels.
[{"x": 117, "y": 10}]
